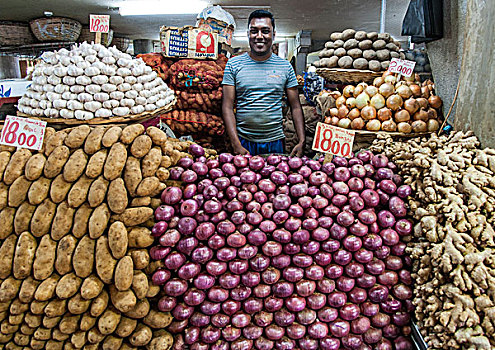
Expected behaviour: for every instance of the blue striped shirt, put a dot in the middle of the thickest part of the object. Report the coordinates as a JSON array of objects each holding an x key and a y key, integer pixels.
[{"x": 259, "y": 89}]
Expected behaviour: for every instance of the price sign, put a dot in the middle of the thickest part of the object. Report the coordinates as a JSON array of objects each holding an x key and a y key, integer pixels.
[
  {"x": 23, "y": 132},
  {"x": 333, "y": 140},
  {"x": 404, "y": 67},
  {"x": 99, "y": 23}
]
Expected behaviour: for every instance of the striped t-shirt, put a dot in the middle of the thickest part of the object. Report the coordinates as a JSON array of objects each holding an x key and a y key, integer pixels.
[{"x": 259, "y": 89}]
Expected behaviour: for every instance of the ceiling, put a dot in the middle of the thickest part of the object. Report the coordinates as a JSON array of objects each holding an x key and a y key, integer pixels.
[{"x": 322, "y": 17}]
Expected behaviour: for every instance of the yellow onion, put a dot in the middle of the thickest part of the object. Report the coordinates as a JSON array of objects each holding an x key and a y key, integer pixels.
[
  {"x": 411, "y": 78},
  {"x": 384, "y": 114},
  {"x": 357, "y": 124},
  {"x": 335, "y": 94},
  {"x": 343, "y": 111},
  {"x": 390, "y": 79},
  {"x": 340, "y": 101},
  {"x": 350, "y": 102},
  {"x": 387, "y": 73},
  {"x": 432, "y": 113},
  {"x": 402, "y": 116},
  {"x": 432, "y": 125},
  {"x": 378, "y": 101},
  {"x": 334, "y": 112},
  {"x": 394, "y": 102},
  {"x": 389, "y": 125},
  {"x": 373, "y": 125},
  {"x": 362, "y": 100},
  {"x": 417, "y": 77},
  {"x": 348, "y": 91},
  {"x": 359, "y": 89},
  {"x": 425, "y": 92},
  {"x": 368, "y": 113},
  {"x": 435, "y": 101},
  {"x": 416, "y": 90},
  {"x": 386, "y": 89},
  {"x": 354, "y": 113},
  {"x": 344, "y": 123},
  {"x": 335, "y": 121},
  {"x": 404, "y": 91},
  {"x": 421, "y": 115},
  {"x": 328, "y": 120},
  {"x": 419, "y": 126},
  {"x": 404, "y": 127},
  {"x": 378, "y": 81},
  {"x": 411, "y": 105},
  {"x": 423, "y": 102},
  {"x": 371, "y": 90}
]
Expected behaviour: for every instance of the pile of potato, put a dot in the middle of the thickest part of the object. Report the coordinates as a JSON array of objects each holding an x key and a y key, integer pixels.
[
  {"x": 75, "y": 223},
  {"x": 359, "y": 50}
]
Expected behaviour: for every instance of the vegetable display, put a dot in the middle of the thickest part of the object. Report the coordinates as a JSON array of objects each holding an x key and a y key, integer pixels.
[
  {"x": 92, "y": 81},
  {"x": 74, "y": 238},
  {"x": 284, "y": 253},
  {"x": 389, "y": 104},
  {"x": 452, "y": 250},
  {"x": 359, "y": 50}
]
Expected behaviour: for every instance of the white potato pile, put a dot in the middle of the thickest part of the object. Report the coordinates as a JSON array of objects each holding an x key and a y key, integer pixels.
[{"x": 93, "y": 81}]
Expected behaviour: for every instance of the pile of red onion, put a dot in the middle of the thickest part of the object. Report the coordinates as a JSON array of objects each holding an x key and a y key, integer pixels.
[{"x": 285, "y": 253}]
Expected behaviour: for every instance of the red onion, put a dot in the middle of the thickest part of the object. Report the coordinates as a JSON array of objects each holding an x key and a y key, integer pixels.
[
  {"x": 404, "y": 191},
  {"x": 378, "y": 293},
  {"x": 339, "y": 328},
  {"x": 273, "y": 304},
  {"x": 372, "y": 335},
  {"x": 369, "y": 309}
]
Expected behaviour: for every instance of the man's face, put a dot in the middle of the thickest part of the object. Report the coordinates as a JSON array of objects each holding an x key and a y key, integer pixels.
[{"x": 260, "y": 35}]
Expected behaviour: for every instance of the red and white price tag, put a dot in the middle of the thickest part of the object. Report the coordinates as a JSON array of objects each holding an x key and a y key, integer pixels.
[
  {"x": 99, "y": 23},
  {"x": 404, "y": 67},
  {"x": 333, "y": 140},
  {"x": 23, "y": 132}
]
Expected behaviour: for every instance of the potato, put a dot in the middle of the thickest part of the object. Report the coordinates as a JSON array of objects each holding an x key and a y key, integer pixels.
[
  {"x": 68, "y": 286},
  {"x": 28, "y": 288},
  {"x": 155, "y": 203},
  {"x": 105, "y": 263},
  {"x": 148, "y": 186},
  {"x": 42, "y": 334},
  {"x": 130, "y": 132},
  {"x": 372, "y": 36},
  {"x": 75, "y": 166},
  {"x": 97, "y": 191},
  {"x": 117, "y": 196},
  {"x": 78, "y": 339},
  {"x": 87, "y": 321},
  {"x": 20, "y": 340},
  {"x": 140, "y": 237},
  {"x": 77, "y": 305},
  {"x": 98, "y": 221},
  {"x": 23, "y": 217},
  {"x": 392, "y": 47},
  {"x": 42, "y": 218},
  {"x": 6, "y": 222},
  {"x": 109, "y": 321},
  {"x": 379, "y": 44},
  {"x": 141, "y": 336},
  {"x": 32, "y": 321},
  {"x": 94, "y": 336},
  {"x": 46, "y": 290},
  {"x": 338, "y": 43},
  {"x": 77, "y": 136},
  {"x": 93, "y": 141},
  {"x": 44, "y": 260},
  {"x": 141, "y": 202},
  {"x": 17, "y": 307},
  {"x": 84, "y": 257},
  {"x": 54, "y": 345},
  {"x": 124, "y": 301},
  {"x": 115, "y": 161},
  {"x": 16, "y": 165},
  {"x": 360, "y": 63},
  {"x": 141, "y": 146},
  {"x": 99, "y": 305},
  {"x": 69, "y": 324},
  {"x": 348, "y": 34},
  {"x": 345, "y": 62},
  {"x": 56, "y": 307},
  {"x": 91, "y": 287},
  {"x": 351, "y": 44},
  {"x": 96, "y": 163},
  {"x": 340, "y": 52},
  {"x": 385, "y": 65},
  {"x": 51, "y": 322},
  {"x": 34, "y": 166},
  {"x": 369, "y": 54},
  {"x": 54, "y": 141},
  {"x": 336, "y": 36},
  {"x": 324, "y": 62},
  {"x": 355, "y": 53},
  {"x": 374, "y": 65},
  {"x": 79, "y": 192},
  {"x": 126, "y": 327},
  {"x": 4, "y": 195},
  {"x": 18, "y": 191},
  {"x": 65, "y": 249},
  {"x": 166, "y": 161},
  {"x": 25, "y": 251},
  {"x": 81, "y": 219},
  {"x": 383, "y": 55},
  {"x": 394, "y": 54},
  {"x": 111, "y": 136},
  {"x": 38, "y": 190},
  {"x": 112, "y": 343},
  {"x": 141, "y": 258},
  {"x": 62, "y": 222},
  {"x": 365, "y": 44},
  {"x": 151, "y": 162},
  {"x": 158, "y": 319},
  {"x": 9, "y": 289},
  {"x": 360, "y": 35},
  {"x": 56, "y": 161},
  {"x": 161, "y": 341},
  {"x": 59, "y": 189},
  {"x": 384, "y": 36},
  {"x": 140, "y": 284},
  {"x": 4, "y": 160},
  {"x": 157, "y": 136},
  {"x": 7, "y": 250},
  {"x": 37, "y": 344},
  {"x": 124, "y": 273},
  {"x": 135, "y": 216},
  {"x": 117, "y": 239}
]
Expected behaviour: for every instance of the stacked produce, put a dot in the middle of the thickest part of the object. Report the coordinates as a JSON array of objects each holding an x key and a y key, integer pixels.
[
  {"x": 388, "y": 104},
  {"x": 454, "y": 285},
  {"x": 92, "y": 81},
  {"x": 74, "y": 238},
  {"x": 359, "y": 50},
  {"x": 420, "y": 56},
  {"x": 158, "y": 63},
  {"x": 284, "y": 253}
]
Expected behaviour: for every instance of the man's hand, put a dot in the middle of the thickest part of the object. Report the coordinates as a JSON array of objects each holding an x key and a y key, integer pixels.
[
  {"x": 298, "y": 150},
  {"x": 238, "y": 149}
]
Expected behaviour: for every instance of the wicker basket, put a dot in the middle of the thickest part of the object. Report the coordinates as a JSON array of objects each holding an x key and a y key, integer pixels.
[
  {"x": 348, "y": 76},
  {"x": 55, "y": 29},
  {"x": 122, "y": 43},
  {"x": 15, "y": 33},
  {"x": 86, "y": 35}
]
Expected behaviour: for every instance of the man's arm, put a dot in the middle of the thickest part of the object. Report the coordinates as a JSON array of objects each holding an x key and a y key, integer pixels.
[
  {"x": 298, "y": 118},
  {"x": 229, "y": 118}
]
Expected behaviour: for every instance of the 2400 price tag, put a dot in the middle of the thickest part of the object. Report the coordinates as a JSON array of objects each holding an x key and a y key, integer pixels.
[
  {"x": 333, "y": 140},
  {"x": 23, "y": 132}
]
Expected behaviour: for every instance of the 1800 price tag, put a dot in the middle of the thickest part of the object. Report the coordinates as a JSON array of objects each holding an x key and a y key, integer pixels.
[
  {"x": 333, "y": 140},
  {"x": 99, "y": 23},
  {"x": 23, "y": 132}
]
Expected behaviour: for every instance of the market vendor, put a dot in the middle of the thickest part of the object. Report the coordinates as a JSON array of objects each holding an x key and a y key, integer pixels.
[{"x": 257, "y": 81}]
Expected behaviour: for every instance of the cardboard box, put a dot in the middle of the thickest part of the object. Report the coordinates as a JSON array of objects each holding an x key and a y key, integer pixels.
[
  {"x": 225, "y": 31},
  {"x": 189, "y": 42}
]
